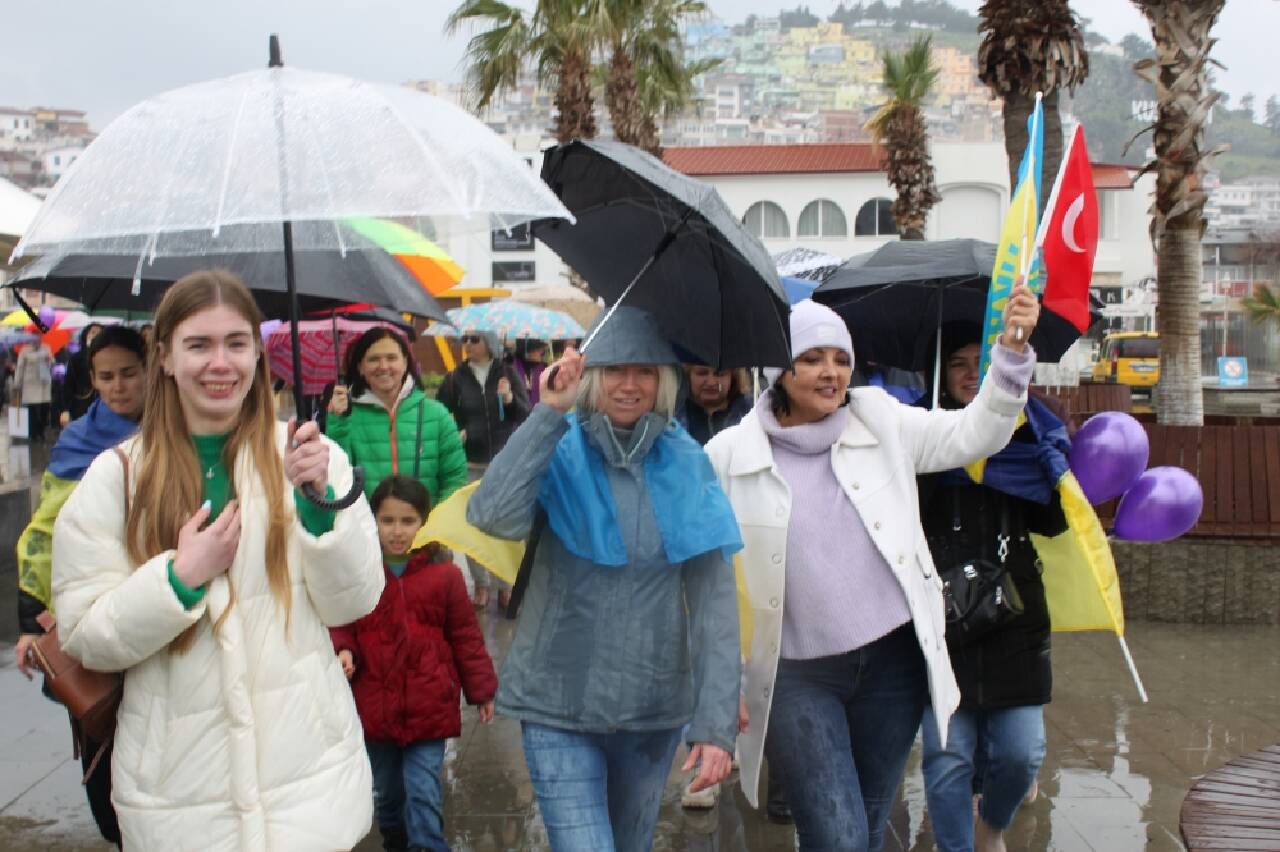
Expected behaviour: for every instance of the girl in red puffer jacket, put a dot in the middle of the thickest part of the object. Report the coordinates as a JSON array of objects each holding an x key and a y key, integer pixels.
[{"x": 407, "y": 662}]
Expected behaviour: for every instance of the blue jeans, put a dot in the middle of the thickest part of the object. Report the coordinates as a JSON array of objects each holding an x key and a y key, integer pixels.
[
  {"x": 840, "y": 731},
  {"x": 599, "y": 792},
  {"x": 406, "y": 790},
  {"x": 1008, "y": 746}
]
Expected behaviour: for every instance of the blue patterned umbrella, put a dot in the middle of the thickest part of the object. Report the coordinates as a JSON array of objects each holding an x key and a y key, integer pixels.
[{"x": 516, "y": 320}]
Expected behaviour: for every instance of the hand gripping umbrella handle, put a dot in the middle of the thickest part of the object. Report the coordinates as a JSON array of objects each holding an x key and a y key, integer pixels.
[{"x": 317, "y": 499}]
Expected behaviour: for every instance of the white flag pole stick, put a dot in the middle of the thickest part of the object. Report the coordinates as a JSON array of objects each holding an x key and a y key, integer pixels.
[
  {"x": 1043, "y": 231},
  {"x": 1133, "y": 670}
]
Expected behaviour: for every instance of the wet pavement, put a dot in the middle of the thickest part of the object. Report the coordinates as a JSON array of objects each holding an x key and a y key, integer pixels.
[{"x": 1114, "y": 777}]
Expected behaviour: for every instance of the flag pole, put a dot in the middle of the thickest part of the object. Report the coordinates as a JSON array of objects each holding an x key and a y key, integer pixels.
[
  {"x": 1043, "y": 231},
  {"x": 1133, "y": 670}
]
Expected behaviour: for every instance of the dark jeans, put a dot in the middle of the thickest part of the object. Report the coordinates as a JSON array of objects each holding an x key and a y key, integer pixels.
[
  {"x": 840, "y": 731},
  {"x": 599, "y": 792},
  {"x": 407, "y": 797},
  {"x": 98, "y": 791}
]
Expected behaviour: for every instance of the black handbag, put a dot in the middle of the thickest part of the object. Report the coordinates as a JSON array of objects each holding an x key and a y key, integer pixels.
[{"x": 979, "y": 595}]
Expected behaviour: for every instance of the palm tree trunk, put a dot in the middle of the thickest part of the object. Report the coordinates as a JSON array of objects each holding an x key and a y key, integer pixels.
[
  {"x": 575, "y": 107},
  {"x": 1052, "y": 144},
  {"x": 620, "y": 97},
  {"x": 1179, "y": 396}
]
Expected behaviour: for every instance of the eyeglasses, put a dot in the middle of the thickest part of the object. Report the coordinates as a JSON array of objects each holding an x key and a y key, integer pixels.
[{"x": 471, "y": 338}]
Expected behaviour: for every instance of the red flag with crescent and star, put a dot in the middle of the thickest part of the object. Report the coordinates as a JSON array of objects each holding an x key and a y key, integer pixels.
[{"x": 1070, "y": 236}]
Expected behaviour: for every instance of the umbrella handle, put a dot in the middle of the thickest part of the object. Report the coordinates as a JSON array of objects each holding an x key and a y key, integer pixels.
[{"x": 357, "y": 489}]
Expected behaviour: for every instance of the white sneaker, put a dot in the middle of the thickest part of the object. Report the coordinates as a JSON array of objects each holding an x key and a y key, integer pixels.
[{"x": 704, "y": 799}]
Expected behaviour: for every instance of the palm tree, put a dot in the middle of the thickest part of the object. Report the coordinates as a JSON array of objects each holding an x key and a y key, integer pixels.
[
  {"x": 1263, "y": 305},
  {"x": 1179, "y": 72},
  {"x": 899, "y": 124},
  {"x": 647, "y": 76},
  {"x": 1030, "y": 47},
  {"x": 557, "y": 39}
]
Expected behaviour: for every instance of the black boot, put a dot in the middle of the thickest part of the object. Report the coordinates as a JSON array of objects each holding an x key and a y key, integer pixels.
[
  {"x": 775, "y": 805},
  {"x": 394, "y": 838}
]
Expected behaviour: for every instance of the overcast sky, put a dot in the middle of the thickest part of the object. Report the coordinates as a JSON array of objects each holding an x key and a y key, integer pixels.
[{"x": 105, "y": 56}]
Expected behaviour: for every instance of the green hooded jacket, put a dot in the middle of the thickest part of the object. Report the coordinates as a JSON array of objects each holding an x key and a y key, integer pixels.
[{"x": 417, "y": 438}]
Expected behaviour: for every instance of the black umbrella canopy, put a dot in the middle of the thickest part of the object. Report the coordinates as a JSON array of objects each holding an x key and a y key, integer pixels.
[
  {"x": 326, "y": 280},
  {"x": 712, "y": 287},
  {"x": 894, "y": 298}
]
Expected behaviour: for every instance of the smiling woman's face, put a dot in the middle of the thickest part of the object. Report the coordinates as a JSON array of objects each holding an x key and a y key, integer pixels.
[
  {"x": 383, "y": 367},
  {"x": 962, "y": 373},
  {"x": 212, "y": 358},
  {"x": 628, "y": 392},
  {"x": 817, "y": 383}
]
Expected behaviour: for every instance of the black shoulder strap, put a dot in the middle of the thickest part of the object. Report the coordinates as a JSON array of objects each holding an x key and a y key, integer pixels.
[{"x": 526, "y": 563}]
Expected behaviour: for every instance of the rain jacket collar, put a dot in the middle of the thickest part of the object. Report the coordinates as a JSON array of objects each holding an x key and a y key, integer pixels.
[{"x": 371, "y": 398}]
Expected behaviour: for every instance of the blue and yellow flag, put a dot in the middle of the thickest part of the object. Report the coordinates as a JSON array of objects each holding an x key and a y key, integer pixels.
[{"x": 1017, "y": 235}]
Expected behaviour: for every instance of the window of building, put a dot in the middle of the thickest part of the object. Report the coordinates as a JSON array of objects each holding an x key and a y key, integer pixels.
[
  {"x": 822, "y": 218},
  {"x": 517, "y": 239},
  {"x": 875, "y": 219},
  {"x": 1106, "y": 215},
  {"x": 767, "y": 220}
]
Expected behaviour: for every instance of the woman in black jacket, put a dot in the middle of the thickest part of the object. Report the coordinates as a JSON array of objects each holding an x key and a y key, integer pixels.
[{"x": 996, "y": 740}]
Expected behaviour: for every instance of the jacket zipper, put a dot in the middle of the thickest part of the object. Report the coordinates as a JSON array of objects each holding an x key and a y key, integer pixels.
[{"x": 395, "y": 444}]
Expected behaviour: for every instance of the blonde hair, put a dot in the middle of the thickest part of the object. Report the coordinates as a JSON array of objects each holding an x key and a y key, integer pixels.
[
  {"x": 591, "y": 390},
  {"x": 169, "y": 484}
]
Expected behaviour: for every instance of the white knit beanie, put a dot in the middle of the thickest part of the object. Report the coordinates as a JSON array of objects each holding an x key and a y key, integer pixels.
[{"x": 814, "y": 326}]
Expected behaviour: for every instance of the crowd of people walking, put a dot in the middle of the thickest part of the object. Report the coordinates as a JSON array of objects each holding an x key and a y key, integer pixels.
[{"x": 292, "y": 672}]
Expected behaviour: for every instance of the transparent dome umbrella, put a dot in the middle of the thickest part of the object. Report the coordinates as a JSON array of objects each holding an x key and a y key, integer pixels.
[{"x": 273, "y": 160}]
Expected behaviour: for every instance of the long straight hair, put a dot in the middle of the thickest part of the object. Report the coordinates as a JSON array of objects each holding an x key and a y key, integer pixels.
[{"x": 169, "y": 485}]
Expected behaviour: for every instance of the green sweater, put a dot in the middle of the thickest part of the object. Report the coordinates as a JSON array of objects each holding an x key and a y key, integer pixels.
[
  {"x": 384, "y": 445},
  {"x": 217, "y": 492}
]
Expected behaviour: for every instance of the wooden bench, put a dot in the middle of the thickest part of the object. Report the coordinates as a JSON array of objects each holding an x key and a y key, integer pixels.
[
  {"x": 1238, "y": 468},
  {"x": 1236, "y": 807}
]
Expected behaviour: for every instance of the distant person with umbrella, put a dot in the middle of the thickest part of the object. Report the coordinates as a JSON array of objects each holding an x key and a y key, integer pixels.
[
  {"x": 848, "y": 641},
  {"x": 388, "y": 425},
  {"x": 488, "y": 401},
  {"x": 212, "y": 591},
  {"x": 996, "y": 740},
  {"x": 117, "y": 367},
  {"x": 717, "y": 400},
  {"x": 629, "y": 628}
]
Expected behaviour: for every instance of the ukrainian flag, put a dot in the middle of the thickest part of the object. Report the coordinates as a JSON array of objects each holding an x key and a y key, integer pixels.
[{"x": 1017, "y": 236}]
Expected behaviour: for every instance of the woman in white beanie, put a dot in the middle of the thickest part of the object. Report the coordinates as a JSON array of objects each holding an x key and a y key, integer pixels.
[{"x": 848, "y": 646}]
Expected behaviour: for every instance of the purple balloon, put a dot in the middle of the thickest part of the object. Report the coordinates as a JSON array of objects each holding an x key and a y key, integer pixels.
[
  {"x": 59, "y": 372},
  {"x": 46, "y": 314},
  {"x": 1108, "y": 454},
  {"x": 1163, "y": 504},
  {"x": 73, "y": 346},
  {"x": 270, "y": 325}
]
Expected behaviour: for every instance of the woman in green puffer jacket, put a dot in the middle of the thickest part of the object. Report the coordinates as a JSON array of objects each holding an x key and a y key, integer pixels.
[{"x": 388, "y": 425}]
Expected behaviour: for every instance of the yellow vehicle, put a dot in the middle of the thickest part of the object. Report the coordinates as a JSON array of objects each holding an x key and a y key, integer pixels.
[{"x": 1129, "y": 358}]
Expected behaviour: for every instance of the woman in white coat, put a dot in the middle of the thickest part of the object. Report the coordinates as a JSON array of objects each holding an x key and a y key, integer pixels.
[
  {"x": 213, "y": 591},
  {"x": 33, "y": 381},
  {"x": 848, "y": 644}
]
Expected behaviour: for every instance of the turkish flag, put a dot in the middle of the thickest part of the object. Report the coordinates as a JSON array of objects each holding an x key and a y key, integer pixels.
[{"x": 1071, "y": 236}]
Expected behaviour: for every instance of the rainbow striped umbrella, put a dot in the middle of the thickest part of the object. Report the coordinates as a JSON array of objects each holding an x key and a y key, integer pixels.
[
  {"x": 429, "y": 263},
  {"x": 516, "y": 320}
]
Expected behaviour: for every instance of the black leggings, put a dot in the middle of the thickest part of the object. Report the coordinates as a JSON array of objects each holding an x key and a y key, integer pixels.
[{"x": 98, "y": 789}]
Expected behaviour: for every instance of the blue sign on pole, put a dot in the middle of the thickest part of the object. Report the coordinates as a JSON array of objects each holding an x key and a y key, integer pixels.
[{"x": 1233, "y": 372}]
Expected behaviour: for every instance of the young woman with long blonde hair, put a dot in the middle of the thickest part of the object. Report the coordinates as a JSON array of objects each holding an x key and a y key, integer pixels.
[{"x": 211, "y": 588}]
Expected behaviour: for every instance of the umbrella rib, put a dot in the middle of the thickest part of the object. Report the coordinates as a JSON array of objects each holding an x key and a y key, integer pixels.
[
  {"x": 425, "y": 150},
  {"x": 226, "y": 171},
  {"x": 309, "y": 129}
]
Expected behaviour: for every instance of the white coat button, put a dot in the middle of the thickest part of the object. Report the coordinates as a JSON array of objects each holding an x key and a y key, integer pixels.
[
  {"x": 773, "y": 602},
  {"x": 766, "y": 692},
  {"x": 856, "y": 486},
  {"x": 773, "y": 649},
  {"x": 901, "y": 559},
  {"x": 927, "y": 573},
  {"x": 777, "y": 559},
  {"x": 876, "y": 525},
  {"x": 780, "y": 512}
]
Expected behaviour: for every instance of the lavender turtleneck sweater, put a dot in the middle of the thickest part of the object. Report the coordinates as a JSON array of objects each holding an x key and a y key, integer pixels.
[{"x": 839, "y": 592}]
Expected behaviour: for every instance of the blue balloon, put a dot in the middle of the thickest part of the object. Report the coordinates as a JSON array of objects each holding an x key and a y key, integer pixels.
[
  {"x": 1163, "y": 504},
  {"x": 1108, "y": 454}
]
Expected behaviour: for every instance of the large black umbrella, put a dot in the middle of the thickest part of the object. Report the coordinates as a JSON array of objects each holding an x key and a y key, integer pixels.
[
  {"x": 894, "y": 298},
  {"x": 326, "y": 279},
  {"x": 668, "y": 244}
]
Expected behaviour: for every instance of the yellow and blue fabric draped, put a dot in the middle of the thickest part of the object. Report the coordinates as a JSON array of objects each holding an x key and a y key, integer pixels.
[{"x": 1080, "y": 580}]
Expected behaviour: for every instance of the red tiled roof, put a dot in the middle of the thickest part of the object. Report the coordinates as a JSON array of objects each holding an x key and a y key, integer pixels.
[
  {"x": 774, "y": 159},
  {"x": 1112, "y": 176}
]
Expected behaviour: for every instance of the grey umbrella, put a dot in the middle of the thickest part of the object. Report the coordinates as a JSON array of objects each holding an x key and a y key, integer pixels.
[{"x": 667, "y": 243}]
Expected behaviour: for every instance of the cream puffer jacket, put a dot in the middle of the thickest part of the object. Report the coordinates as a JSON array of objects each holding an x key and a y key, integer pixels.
[
  {"x": 249, "y": 740},
  {"x": 876, "y": 460}
]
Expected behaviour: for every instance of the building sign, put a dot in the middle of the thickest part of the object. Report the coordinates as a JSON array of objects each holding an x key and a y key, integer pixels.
[
  {"x": 1233, "y": 372},
  {"x": 513, "y": 271},
  {"x": 517, "y": 239}
]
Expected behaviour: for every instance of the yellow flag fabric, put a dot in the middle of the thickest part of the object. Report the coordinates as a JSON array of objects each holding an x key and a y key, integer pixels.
[
  {"x": 447, "y": 525},
  {"x": 1017, "y": 235},
  {"x": 35, "y": 545},
  {"x": 1080, "y": 580}
]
